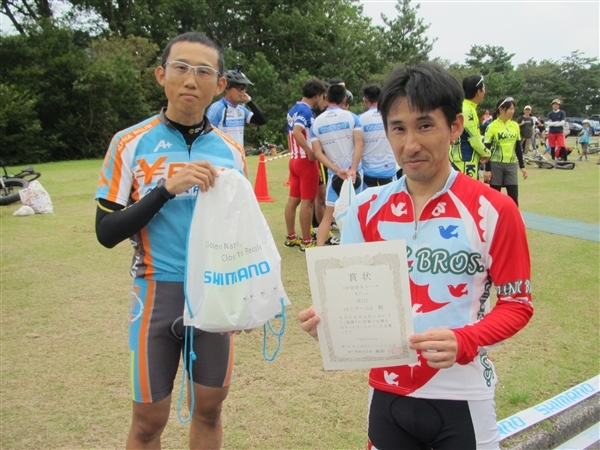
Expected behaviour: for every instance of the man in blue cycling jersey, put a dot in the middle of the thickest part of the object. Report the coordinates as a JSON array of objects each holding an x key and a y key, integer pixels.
[
  {"x": 378, "y": 160},
  {"x": 229, "y": 114},
  {"x": 150, "y": 178}
]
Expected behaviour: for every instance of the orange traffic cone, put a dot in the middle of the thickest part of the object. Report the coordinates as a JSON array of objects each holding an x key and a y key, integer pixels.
[
  {"x": 287, "y": 183},
  {"x": 261, "y": 188}
]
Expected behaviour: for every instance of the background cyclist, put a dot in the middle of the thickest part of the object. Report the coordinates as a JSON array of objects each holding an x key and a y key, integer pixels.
[{"x": 229, "y": 113}]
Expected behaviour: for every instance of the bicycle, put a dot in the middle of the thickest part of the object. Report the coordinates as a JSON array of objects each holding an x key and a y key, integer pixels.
[
  {"x": 591, "y": 150},
  {"x": 10, "y": 185},
  {"x": 538, "y": 159},
  {"x": 265, "y": 149}
]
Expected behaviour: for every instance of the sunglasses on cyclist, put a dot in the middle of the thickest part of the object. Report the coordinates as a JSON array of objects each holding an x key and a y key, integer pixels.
[{"x": 240, "y": 87}]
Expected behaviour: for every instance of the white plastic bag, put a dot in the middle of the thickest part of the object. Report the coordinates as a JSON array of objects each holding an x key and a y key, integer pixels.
[
  {"x": 342, "y": 204},
  {"x": 35, "y": 196},
  {"x": 24, "y": 211},
  {"x": 233, "y": 270}
]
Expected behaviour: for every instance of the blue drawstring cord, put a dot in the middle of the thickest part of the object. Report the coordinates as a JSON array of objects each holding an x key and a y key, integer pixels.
[
  {"x": 279, "y": 333},
  {"x": 187, "y": 368},
  {"x": 190, "y": 357},
  {"x": 188, "y": 335}
]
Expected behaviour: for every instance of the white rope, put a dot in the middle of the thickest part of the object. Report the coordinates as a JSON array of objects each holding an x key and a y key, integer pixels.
[{"x": 277, "y": 157}]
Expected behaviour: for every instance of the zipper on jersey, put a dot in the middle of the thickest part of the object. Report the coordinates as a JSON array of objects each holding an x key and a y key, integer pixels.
[{"x": 418, "y": 219}]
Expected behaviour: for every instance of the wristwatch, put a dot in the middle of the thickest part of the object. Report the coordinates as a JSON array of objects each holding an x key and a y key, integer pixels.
[{"x": 163, "y": 190}]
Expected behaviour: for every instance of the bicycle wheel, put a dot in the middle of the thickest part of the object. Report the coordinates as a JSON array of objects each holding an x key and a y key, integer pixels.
[
  {"x": 544, "y": 164},
  {"x": 9, "y": 193},
  {"x": 593, "y": 150},
  {"x": 30, "y": 176}
]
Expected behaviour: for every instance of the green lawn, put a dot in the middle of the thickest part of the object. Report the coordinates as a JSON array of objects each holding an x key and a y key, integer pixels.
[{"x": 65, "y": 300}]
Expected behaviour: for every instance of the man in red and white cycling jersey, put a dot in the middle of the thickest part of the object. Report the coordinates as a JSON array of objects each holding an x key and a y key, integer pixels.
[{"x": 462, "y": 237}]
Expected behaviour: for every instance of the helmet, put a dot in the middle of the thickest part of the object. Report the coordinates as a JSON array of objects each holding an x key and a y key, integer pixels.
[
  {"x": 236, "y": 76},
  {"x": 349, "y": 96}
]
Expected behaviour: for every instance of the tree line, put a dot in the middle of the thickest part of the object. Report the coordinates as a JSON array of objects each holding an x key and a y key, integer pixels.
[{"x": 70, "y": 81}]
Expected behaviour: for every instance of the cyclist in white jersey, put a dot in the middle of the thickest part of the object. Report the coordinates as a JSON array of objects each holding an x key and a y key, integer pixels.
[
  {"x": 336, "y": 137},
  {"x": 378, "y": 161},
  {"x": 229, "y": 113}
]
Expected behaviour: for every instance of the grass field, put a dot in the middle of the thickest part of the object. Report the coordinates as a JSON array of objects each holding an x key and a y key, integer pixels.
[{"x": 65, "y": 300}]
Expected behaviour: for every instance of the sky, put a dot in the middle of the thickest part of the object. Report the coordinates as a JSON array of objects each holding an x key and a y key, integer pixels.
[
  {"x": 545, "y": 29},
  {"x": 538, "y": 29}
]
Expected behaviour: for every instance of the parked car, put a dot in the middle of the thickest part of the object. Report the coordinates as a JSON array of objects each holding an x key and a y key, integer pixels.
[
  {"x": 595, "y": 125},
  {"x": 578, "y": 120},
  {"x": 574, "y": 128}
]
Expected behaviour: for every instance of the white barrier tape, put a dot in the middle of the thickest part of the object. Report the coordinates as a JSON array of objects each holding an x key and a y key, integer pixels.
[
  {"x": 277, "y": 157},
  {"x": 529, "y": 417},
  {"x": 583, "y": 440}
]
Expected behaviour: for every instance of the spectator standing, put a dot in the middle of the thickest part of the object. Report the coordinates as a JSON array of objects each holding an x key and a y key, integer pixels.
[
  {"x": 229, "y": 114},
  {"x": 468, "y": 151},
  {"x": 337, "y": 139},
  {"x": 378, "y": 161},
  {"x": 446, "y": 399},
  {"x": 556, "y": 138},
  {"x": 541, "y": 133},
  {"x": 584, "y": 140},
  {"x": 485, "y": 116},
  {"x": 503, "y": 138},
  {"x": 150, "y": 178},
  {"x": 303, "y": 165},
  {"x": 526, "y": 124}
]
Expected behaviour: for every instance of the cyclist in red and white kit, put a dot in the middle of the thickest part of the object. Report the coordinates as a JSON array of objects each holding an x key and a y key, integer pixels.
[
  {"x": 462, "y": 238},
  {"x": 304, "y": 171}
]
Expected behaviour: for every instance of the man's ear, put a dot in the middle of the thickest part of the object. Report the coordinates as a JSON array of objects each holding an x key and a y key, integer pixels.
[
  {"x": 221, "y": 85},
  {"x": 457, "y": 127},
  {"x": 159, "y": 74}
]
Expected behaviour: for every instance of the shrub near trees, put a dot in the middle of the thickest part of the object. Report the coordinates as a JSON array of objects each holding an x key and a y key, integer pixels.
[{"x": 68, "y": 84}]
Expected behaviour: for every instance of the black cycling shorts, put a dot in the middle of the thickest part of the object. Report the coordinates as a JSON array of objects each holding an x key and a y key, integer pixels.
[
  {"x": 373, "y": 181},
  {"x": 407, "y": 423}
]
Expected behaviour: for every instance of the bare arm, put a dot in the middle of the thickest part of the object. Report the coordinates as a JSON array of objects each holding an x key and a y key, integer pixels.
[
  {"x": 322, "y": 157},
  {"x": 302, "y": 142}
]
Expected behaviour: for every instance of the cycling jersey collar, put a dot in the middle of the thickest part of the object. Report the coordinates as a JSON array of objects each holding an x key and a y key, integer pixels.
[
  {"x": 447, "y": 185},
  {"x": 471, "y": 103},
  {"x": 165, "y": 121},
  {"x": 229, "y": 104}
]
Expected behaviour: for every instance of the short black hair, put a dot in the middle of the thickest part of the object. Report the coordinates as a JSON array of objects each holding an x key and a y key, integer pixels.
[
  {"x": 200, "y": 38},
  {"x": 372, "y": 92},
  {"x": 472, "y": 84},
  {"x": 336, "y": 94},
  {"x": 426, "y": 86},
  {"x": 313, "y": 87}
]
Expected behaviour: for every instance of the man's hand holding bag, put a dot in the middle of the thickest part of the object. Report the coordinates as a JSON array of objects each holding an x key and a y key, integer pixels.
[{"x": 233, "y": 271}]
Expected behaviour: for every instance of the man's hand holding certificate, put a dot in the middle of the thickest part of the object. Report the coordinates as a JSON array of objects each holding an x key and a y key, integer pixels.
[{"x": 361, "y": 294}]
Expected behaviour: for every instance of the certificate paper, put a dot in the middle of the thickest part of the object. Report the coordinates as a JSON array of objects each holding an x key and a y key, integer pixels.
[{"x": 361, "y": 293}]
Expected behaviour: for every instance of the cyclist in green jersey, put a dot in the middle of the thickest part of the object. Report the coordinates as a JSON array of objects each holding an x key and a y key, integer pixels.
[
  {"x": 468, "y": 150},
  {"x": 503, "y": 138}
]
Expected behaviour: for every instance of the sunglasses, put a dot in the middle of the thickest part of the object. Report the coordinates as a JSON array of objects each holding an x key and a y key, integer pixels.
[
  {"x": 506, "y": 100},
  {"x": 240, "y": 87}
]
